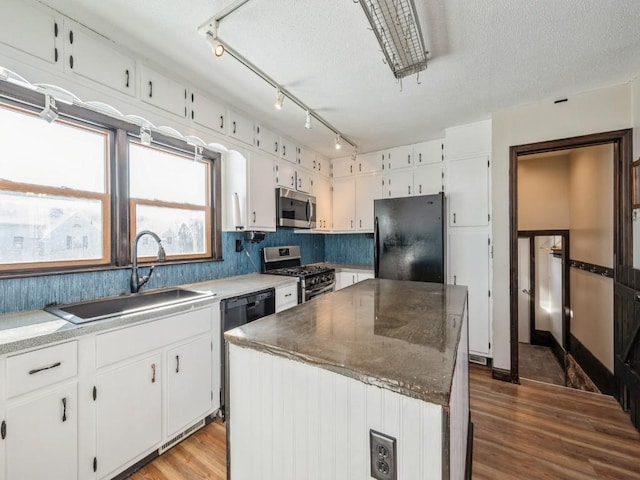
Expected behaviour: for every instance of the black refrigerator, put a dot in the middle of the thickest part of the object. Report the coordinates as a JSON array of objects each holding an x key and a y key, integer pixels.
[{"x": 409, "y": 238}]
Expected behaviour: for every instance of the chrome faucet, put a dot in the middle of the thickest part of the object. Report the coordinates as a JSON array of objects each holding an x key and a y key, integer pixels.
[{"x": 136, "y": 281}]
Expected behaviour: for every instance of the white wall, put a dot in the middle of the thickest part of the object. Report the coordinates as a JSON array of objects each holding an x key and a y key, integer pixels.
[{"x": 596, "y": 111}]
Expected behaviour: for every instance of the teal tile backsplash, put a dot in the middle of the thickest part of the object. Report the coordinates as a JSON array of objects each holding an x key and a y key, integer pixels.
[{"x": 36, "y": 292}]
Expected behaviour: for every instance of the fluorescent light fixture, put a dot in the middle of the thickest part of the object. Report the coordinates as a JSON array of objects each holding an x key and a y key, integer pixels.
[
  {"x": 216, "y": 46},
  {"x": 279, "y": 99},
  {"x": 145, "y": 135},
  {"x": 50, "y": 112},
  {"x": 307, "y": 123},
  {"x": 338, "y": 142}
]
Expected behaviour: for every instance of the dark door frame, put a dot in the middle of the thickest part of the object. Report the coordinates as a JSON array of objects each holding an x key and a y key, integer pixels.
[
  {"x": 622, "y": 233},
  {"x": 535, "y": 336}
]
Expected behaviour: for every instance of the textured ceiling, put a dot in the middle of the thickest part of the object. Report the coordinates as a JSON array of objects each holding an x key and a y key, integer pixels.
[{"x": 484, "y": 56}]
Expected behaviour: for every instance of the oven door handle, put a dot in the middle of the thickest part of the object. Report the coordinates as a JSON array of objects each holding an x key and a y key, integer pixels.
[{"x": 328, "y": 288}]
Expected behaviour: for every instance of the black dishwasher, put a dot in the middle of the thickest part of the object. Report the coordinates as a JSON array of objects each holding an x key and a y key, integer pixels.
[{"x": 238, "y": 311}]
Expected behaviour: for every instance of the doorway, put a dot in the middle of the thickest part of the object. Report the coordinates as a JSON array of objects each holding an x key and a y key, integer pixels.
[
  {"x": 570, "y": 341},
  {"x": 543, "y": 300}
]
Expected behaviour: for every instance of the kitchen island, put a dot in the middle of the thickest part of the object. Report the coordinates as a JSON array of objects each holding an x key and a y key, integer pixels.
[{"x": 309, "y": 384}]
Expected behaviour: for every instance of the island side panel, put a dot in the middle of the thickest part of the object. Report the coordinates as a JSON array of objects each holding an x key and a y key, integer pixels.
[
  {"x": 312, "y": 423},
  {"x": 459, "y": 406}
]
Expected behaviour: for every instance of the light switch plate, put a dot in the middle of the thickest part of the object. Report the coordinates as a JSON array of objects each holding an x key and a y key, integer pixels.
[{"x": 383, "y": 456}]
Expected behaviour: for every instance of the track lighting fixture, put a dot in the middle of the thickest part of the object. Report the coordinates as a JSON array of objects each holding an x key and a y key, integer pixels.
[
  {"x": 50, "y": 112},
  {"x": 198, "y": 153},
  {"x": 216, "y": 47},
  {"x": 279, "y": 99},
  {"x": 307, "y": 123},
  {"x": 354, "y": 154},
  {"x": 145, "y": 135},
  {"x": 338, "y": 142}
]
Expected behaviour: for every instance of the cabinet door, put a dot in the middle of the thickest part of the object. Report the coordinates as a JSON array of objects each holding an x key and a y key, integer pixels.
[
  {"x": 163, "y": 92},
  {"x": 342, "y": 167},
  {"x": 468, "y": 191},
  {"x": 322, "y": 192},
  {"x": 304, "y": 181},
  {"x": 306, "y": 158},
  {"x": 286, "y": 175},
  {"x": 427, "y": 180},
  {"x": 32, "y": 28},
  {"x": 42, "y": 436},
  {"x": 267, "y": 141},
  {"x": 368, "y": 189},
  {"x": 344, "y": 205},
  {"x": 364, "y": 276},
  {"x": 129, "y": 413},
  {"x": 97, "y": 59},
  {"x": 206, "y": 112},
  {"x": 240, "y": 127},
  {"x": 399, "y": 157},
  {"x": 189, "y": 393},
  {"x": 428, "y": 152},
  {"x": 469, "y": 265},
  {"x": 369, "y": 163},
  {"x": 322, "y": 165},
  {"x": 288, "y": 150},
  {"x": 398, "y": 184},
  {"x": 261, "y": 193}
]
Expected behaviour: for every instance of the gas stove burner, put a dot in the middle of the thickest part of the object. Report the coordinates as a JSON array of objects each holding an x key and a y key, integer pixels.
[{"x": 301, "y": 271}]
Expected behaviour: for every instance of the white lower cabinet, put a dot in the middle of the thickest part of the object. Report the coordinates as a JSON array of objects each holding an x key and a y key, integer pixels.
[
  {"x": 344, "y": 279},
  {"x": 189, "y": 394},
  {"x": 286, "y": 297},
  {"x": 129, "y": 413},
  {"x": 41, "y": 435}
]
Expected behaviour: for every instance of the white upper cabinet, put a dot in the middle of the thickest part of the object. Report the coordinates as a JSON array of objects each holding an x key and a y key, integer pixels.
[
  {"x": 32, "y": 28},
  {"x": 267, "y": 140},
  {"x": 468, "y": 140},
  {"x": 428, "y": 152},
  {"x": 306, "y": 158},
  {"x": 206, "y": 112},
  {"x": 162, "y": 91},
  {"x": 368, "y": 189},
  {"x": 322, "y": 165},
  {"x": 342, "y": 167},
  {"x": 99, "y": 60},
  {"x": 240, "y": 127},
  {"x": 261, "y": 211},
  {"x": 304, "y": 181},
  {"x": 322, "y": 191},
  {"x": 468, "y": 191},
  {"x": 286, "y": 175},
  {"x": 428, "y": 179},
  {"x": 399, "y": 184},
  {"x": 369, "y": 163},
  {"x": 344, "y": 205},
  {"x": 398, "y": 157},
  {"x": 288, "y": 150}
]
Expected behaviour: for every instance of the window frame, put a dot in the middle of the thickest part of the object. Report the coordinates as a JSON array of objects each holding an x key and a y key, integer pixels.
[{"x": 117, "y": 209}]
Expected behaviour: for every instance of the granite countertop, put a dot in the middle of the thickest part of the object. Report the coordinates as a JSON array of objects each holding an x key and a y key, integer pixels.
[
  {"x": 401, "y": 336},
  {"x": 33, "y": 328}
]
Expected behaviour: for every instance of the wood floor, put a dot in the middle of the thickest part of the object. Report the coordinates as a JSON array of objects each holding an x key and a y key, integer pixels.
[{"x": 528, "y": 431}]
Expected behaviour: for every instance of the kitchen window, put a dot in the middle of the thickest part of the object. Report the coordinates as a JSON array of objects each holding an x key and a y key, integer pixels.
[
  {"x": 170, "y": 194},
  {"x": 54, "y": 192}
]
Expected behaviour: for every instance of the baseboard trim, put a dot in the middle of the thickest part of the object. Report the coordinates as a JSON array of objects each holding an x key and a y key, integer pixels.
[
  {"x": 503, "y": 375},
  {"x": 468, "y": 467},
  {"x": 594, "y": 368},
  {"x": 542, "y": 338},
  {"x": 557, "y": 350}
]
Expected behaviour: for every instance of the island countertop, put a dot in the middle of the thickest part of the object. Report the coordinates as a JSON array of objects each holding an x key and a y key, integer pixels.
[{"x": 398, "y": 335}]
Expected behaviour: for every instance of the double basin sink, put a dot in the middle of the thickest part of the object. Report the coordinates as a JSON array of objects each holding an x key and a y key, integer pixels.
[{"x": 100, "y": 309}]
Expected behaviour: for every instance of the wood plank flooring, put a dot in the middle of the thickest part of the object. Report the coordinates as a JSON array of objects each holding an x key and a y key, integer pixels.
[{"x": 529, "y": 431}]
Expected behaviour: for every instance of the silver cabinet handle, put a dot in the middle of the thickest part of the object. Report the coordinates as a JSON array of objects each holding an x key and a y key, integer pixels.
[
  {"x": 254, "y": 217},
  {"x": 64, "y": 409},
  {"x": 41, "y": 369}
]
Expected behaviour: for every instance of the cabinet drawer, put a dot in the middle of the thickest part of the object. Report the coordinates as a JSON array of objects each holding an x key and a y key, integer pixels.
[
  {"x": 286, "y": 297},
  {"x": 129, "y": 342},
  {"x": 33, "y": 370}
]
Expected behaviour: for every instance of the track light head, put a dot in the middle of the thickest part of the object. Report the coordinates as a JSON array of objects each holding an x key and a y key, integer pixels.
[
  {"x": 50, "y": 112},
  {"x": 338, "y": 142},
  {"x": 145, "y": 135},
  {"x": 307, "y": 123},
  {"x": 279, "y": 99},
  {"x": 216, "y": 47}
]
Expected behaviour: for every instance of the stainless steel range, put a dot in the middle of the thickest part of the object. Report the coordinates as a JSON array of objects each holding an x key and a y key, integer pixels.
[{"x": 315, "y": 280}]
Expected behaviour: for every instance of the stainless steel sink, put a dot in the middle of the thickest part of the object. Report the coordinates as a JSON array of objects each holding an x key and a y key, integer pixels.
[{"x": 92, "y": 310}]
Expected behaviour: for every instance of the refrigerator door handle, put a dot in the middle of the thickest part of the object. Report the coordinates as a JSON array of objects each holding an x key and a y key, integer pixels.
[{"x": 376, "y": 239}]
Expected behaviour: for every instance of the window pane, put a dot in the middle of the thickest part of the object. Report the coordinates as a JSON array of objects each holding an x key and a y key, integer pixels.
[
  {"x": 183, "y": 232},
  {"x": 51, "y": 154},
  {"x": 159, "y": 175},
  {"x": 46, "y": 228}
]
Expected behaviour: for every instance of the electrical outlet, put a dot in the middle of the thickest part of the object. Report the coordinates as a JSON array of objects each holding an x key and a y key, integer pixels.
[
  {"x": 383, "y": 456},
  {"x": 239, "y": 246}
]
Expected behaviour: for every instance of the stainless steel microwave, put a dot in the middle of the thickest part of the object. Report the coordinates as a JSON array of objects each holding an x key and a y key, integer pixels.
[{"x": 295, "y": 209}]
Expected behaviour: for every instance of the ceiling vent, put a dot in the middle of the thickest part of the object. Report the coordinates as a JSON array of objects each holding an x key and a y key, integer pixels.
[{"x": 395, "y": 24}]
